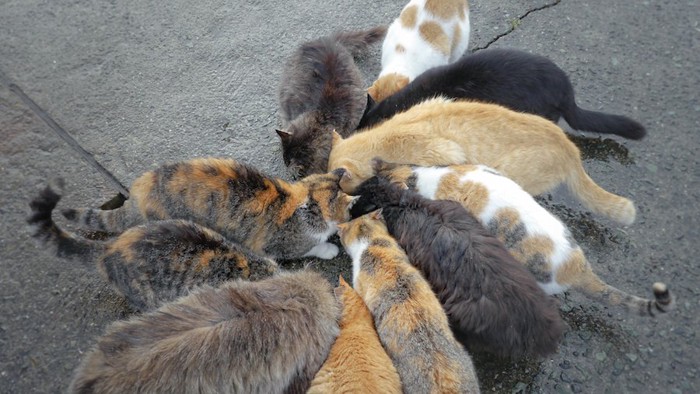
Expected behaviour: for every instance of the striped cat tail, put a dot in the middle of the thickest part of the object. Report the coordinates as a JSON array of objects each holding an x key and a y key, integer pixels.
[
  {"x": 599, "y": 200},
  {"x": 111, "y": 221},
  {"x": 357, "y": 42},
  {"x": 47, "y": 233},
  {"x": 592, "y": 286}
]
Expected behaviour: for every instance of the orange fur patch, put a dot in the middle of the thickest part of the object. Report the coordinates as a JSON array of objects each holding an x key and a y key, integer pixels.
[
  {"x": 408, "y": 16},
  {"x": 432, "y": 33},
  {"x": 445, "y": 9},
  {"x": 123, "y": 245}
]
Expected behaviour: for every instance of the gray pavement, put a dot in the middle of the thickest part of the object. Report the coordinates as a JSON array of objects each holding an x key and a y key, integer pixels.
[{"x": 140, "y": 83}]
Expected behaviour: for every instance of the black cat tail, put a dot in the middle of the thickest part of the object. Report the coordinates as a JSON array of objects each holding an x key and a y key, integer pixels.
[
  {"x": 47, "y": 233},
  {"x": 600, "y": 122},
  {"x": 357, "y": 42}
]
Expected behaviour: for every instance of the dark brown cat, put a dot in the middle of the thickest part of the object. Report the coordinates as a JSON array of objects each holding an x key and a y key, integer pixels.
[
  {"x": 152, "y": 263},
  {"x": 492, "y": 301},
  {"x": 321, "y": 90},
  {"x": 268, "y": 215},
  {"x": 269, "y": 336}
]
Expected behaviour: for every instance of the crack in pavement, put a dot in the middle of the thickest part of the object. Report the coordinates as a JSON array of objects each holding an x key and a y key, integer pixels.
[{"x": 515, "y": 23}]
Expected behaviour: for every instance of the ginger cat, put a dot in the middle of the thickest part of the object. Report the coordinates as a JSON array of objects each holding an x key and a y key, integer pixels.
[
  {"x": 357, "y": 362},
  {"x": 268, "y": 215},
  {"x": 426, "y": 34},
  {"x": 261, "y": 337},
  {"x": 152, "y": 263},
  {"x": 410, "y": 321},
  {"x": 528, "y": 149}
]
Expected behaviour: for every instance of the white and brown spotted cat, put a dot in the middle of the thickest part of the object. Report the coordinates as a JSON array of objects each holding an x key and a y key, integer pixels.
[
  {"x": 532, "y": 234},
  {"x": 427, "y": 33},
  {"x": 526, "y": 148}
]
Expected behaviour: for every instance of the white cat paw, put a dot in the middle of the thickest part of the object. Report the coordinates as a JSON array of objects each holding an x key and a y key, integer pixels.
[{"x": 324, "y": 251}]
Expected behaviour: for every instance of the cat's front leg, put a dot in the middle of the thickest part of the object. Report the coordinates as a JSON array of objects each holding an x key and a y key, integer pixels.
[{"x": 325, "y": 250}]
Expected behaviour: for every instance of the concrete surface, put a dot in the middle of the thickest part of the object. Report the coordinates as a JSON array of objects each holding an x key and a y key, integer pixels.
[{"x": 140, "y": 83}]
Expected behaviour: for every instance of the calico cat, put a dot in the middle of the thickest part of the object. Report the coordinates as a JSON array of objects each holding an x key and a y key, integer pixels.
[
  {"x": 357, "y": 362},
  {"x": 267, "y": 215},
  {"x": 518, "y": 80},
  {"x": 269, "y": 336},
  {"x": 493, "y": 302},
  {"x": 321, "y": 90},
  {"x": 410, "y": 322},
  {"x": 526, "y": 148},
  {"x": 152, "y": 263},
  {"x": 532, "y": 234},
  {"x": 426, "y": 34}
]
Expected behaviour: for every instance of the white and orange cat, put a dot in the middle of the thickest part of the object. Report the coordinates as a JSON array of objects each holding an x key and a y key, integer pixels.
[
  {"x": 427, "y": 33},
  {"x": 526, "y": 148},
  {"x": 533, "y": 235}
]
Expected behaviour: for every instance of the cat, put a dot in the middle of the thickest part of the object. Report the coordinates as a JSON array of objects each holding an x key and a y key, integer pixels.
[
  {"x": 321, "y": 90},
  {"x": 152, "y": 263},
  {"x": 269, "y": 336},
  {"x": 426, "y": 34},
  {"x": 411, "y": 324},
  {"x": 532, "y": 234},
  {"x": 270, "y": 216},
  {"x": 528, "y": 149},
  {"x": 514, "y": 79},
  {"x": 493, "y": 302},
  {"x": 357, "y": 362}
]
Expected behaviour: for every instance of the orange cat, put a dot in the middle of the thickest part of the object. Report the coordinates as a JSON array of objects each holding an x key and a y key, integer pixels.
[
  {"x": 528, "y": 149},
  {"x": 357, "y": 362}
]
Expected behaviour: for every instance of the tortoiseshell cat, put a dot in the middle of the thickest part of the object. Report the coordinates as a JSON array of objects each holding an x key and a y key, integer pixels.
[
  {"x": 268, "y": 215},
  {"x": 532, "y": 234},
  {"x": 493, "y": 302},
  {"x": 410, "y": 322},
  {"x": 426, "y": 34},
  {"x": 518, "y": 80},
  {"x": 152, "y": 263},
  {"x": 357, "y": 362},
  {"x": 526, "y": 148},
  {"x": 321, "y": 90},
  {"x": 269, "y": 336}
]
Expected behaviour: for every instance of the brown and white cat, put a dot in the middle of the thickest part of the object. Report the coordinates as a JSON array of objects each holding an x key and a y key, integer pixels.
[
  {"x": 269, "y": 336},
  {"x": 427, "y": 33},
  {"x": 268, "y": 215},
  {"x": 528, "y": 149},
  {"x": 409, "y": 319},
  {"x": 532, "y": 234},
  {"x": 357, "y": 362},
  {"x": 152, "y": 263},
  {"x": 321, "y": 90}
]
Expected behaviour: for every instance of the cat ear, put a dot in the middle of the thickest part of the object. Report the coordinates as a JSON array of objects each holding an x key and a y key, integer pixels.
[
  {"x": 342, "y": 282},
  {"x": 371, "y": 94},
  {"x": 341, "y": 228},
  {"x": 370, "y": 100},
  {"x": 284, "y": 135},
  {"x": 378, "y": 164},
  {"x": 339, "y": 172},
  {"x": 336, "y": 138},
  {"x": 376, "y": 215}
]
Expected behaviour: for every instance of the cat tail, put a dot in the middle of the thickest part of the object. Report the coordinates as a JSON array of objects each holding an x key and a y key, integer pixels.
[
  {"x": 599, "y": 122},
  {"x": 599, "y": 200},
  {"x": 112, "y": 221},
  {"x": 46, "y": 232},
  {"x": 593, "y": 287},
  {"x": 357, "y": 42}
]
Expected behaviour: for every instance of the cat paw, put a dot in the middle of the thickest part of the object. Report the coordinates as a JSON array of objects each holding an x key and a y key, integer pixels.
[{"x": 324, "y": 251}]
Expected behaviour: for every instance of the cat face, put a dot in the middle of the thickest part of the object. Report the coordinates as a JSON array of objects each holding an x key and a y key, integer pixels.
[
  {"x": 365, "y": 227},
  {"x": 305, "y": 147},
  {"x": 387, "y": 85},
  {"x": 325, "y": 197}
]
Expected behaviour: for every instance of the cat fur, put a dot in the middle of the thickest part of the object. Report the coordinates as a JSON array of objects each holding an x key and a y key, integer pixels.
[
  {"x": 533, "y": 235},
  {"x": 410, "y": 322},
  {"x": 493, "y": 302},
  {"x": 514, "y": 79},
  {"x": 321, "y": 90},
  {"x": 357, "y": 362},
  {"x": 427, "y": 33},
  {"x": 268, "y": 215},
  {"x": 153, "y": 263},
  {"x": 269, "y": 336},
  {"x": 526, "y": 148}
]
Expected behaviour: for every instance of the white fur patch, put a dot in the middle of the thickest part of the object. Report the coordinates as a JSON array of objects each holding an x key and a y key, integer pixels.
[
  {"x": 325, "y": 250},
  {"x": 355, "y": 251},
  {"x": 332, "y": 228},
  {"x": 428, "y": 179}
]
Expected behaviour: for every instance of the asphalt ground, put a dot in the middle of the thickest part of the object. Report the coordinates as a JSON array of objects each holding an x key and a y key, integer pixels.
[{"x": 142, "y": 83}]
